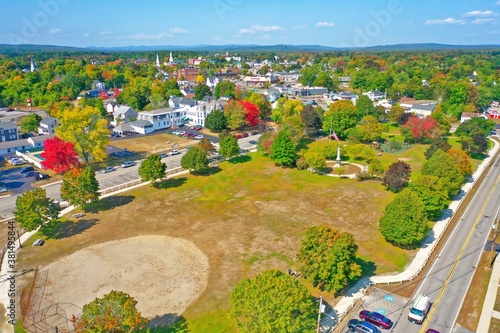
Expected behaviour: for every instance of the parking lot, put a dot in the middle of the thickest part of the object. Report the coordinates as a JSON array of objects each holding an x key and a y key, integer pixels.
[
  {"x": 15, "y": 180},
  {"x": 385, "y": 303}
]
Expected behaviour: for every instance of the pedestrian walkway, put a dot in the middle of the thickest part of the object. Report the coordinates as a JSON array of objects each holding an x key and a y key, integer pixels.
[
  {"x": 422, "y": 256},
  {"x": 489, "y": 302}
]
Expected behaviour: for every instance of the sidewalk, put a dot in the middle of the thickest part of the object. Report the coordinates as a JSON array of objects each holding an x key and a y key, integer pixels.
[
  {"x": 418, "y": 263},
  {"x": 489, "y": 301}
]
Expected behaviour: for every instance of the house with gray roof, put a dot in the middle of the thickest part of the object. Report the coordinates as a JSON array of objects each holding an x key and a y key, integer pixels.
[
  {"x": 374, "y": 95},
  {"x": 123, "y": 114},
  {"x": 48, "y": 126},
  {"x": 423, "y": 110},
  {"x": 8, "y": 131}
]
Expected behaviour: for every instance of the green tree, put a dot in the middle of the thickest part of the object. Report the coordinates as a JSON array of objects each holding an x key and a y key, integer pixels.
[
  {"x": 80, "y": 187},
  {"x": 433, "y": 194},
  {"x": 404, "y": 221},
  {"x": 476, "y": 125},
  {"x": 340, "y": 117},
  {"x": 224, "y": 88},
  {"x": 369, "y": 129},
  {"x": 30, "y": 123},
  {"x": 365, "y": 106},
  {"x": 262, "y": 103},
  {"x": 475, "y": 145},
  {"x": 327, "y": 258},
  {"x": 34, "y": 209},
  {"x": 283, "y": 150},
  {"x": 272, "y": 302},
  {"x": 438, "y": 143},
  {"x": 115, "y": 312},
  {"x": 443, "y": 166},
  {"x": 324, "y": 80},
  {"x": 216, "y": 121},
  {"x": 286, "y": 108},
  {"x": 229, "y": 146},
  {"x": 395, "y": 113},
  {"x": 87, "y": 130},
  {"x": 96, "y": 103},
  {"x": 375, "y": 167},
  {"x": 397, "y": 176},
  {"x": 315, "y": 160},
  {"x": 195, "y": 160},
  {"x": 152, "y": 169},
  {"x": 200, "y": 91}
]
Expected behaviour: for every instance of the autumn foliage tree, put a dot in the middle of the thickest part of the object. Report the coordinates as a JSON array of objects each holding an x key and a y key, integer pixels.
[
  {"x": 419, "y": 129},
  {"x": 462, "y": 160},
  {"x": 252, "y": 115},
  {"x": 58, "y": 155},
  {"x": 115, "y": 312}
]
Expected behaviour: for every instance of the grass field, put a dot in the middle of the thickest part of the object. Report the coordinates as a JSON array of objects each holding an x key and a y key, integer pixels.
[{"x": 248, "y": 217}]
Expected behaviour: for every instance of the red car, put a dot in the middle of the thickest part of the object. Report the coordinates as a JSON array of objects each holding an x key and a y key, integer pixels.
[{"x": 376, "y": 318}]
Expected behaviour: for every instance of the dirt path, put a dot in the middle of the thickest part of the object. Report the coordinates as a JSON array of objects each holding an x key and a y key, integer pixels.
[{"x": 163, "y": 274}]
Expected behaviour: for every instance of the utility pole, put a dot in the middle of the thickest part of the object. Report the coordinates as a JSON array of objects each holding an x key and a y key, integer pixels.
[{"x": 318, "y": 326}]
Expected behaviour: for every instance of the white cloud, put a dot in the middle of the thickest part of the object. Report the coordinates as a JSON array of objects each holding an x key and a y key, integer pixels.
[
  {"x": 259, "y": 28},
  {"x": 325, "y": 24},
  {"x": 449, "y": 20},
  {"x": 483, "y": 21},
  {"x": 175, "y": 31},
  {"x": 86, "y": 35},
  {"x": 55, "y": 31},
  {"x": 476, "y": 13},
  {"x": 104, "y": 33},
  {"x": 142, "y": 36},
  {"x": 266, "y": 28},
  {"x": 300, "y": 27}
]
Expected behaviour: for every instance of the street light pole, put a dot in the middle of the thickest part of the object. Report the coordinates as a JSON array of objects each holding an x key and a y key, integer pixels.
[{"x": 318, "y": 326}]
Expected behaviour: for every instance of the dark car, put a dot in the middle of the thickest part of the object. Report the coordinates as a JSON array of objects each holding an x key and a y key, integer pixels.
[
  {"x": 430, "y": 330},
  {"x": 29, "y": 174},
  {"x": 163, "y": 155},
  {"x": 376, "y": 319},
  {"x": 27, "y": 169},
  {"x": 252, "y": 142},
  {"x": 40, "y": 176}
]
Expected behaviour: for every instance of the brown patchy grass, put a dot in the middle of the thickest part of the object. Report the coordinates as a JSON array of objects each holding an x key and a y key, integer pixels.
[
  {"x": 246, "y": 218},
  {"x": 494, "y": 326},
  {"x": 140, "y": 144},
  {"x": 473, "y": 305}
]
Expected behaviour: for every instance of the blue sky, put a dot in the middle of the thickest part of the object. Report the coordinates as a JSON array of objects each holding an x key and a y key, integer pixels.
[{"x": 332, "y": 23}]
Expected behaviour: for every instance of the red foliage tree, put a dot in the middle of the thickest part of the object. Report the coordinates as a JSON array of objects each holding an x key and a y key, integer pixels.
[
  {"x": 59, "y": 155},
  {"x": 253, "y": 113},
  {"x": 422, "y": 127}
]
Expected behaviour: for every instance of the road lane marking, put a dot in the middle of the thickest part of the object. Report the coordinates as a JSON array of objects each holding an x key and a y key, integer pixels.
[{"x": 448, "y": 278}]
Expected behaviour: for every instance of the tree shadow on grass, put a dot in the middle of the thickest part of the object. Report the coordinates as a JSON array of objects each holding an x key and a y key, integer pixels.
[
  {"x": 240, "y": 159},
  {"x": 170, "y": 183},
  {"x": 109, "y": 203},
  {"x": 168, "y": 323},
  {"x": 59, "y": 230},
  {"x": 368, "y": 268}
]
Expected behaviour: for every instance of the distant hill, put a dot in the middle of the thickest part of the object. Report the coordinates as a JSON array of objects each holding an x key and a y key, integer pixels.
[{"x": 245, "y": 48}]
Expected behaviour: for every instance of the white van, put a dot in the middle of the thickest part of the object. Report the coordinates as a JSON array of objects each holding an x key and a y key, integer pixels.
[{"x": 420, "y": 308}]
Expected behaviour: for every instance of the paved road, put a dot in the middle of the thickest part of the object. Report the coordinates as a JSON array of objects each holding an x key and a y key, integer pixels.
[
  {"x": 107, "y": 180},
  {"x": 449, "y": 277}
]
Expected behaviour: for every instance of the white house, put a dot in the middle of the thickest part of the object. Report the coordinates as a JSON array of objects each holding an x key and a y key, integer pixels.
[
  {"x": 374, "y": 95},
  {"x": 123, "y": 114},
  {"x": 422, "y": 110},
  {"x": 342, "y": 95},
  {"x": 197, "y": 114},
  {"x": 212, "y": 82},
  {"x": 181, "y": 102},
  {"x": 466, "y": 116},
  {"x": 150, "y": 121},
  {"x": 110, "y": 107},
  {"x": 48, "y": 126},
  {"x": 98, "y": 85}
]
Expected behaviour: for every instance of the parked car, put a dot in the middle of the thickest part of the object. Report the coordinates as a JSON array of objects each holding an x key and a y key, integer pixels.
[
  {"x": 174, "y": 152},
  {"x": 40, "y": 176},
  {"x": 430, "y": 330},
  {"x": 198, "y": 137},
  {"x": 27, "y": 169},
  {"x": 188, "y": 135},
  {"x": 17, "y": 161},
  {"x": 3, "y": 188},
  {"x": 361, "y": 326},
  {"x": 197, "y": 128},
  {"x": 252, "y": 142},
  {"x": 254, "y": 133},
  {"x": 163, "y": 155},
  {"x": 128, "y": 164},
  {"x": 29, "y": 174},
  {"x": 108, "y": 169},
  {"x": 38, "y": 242},
  {"x": 376, "y": 319}
]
